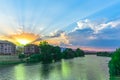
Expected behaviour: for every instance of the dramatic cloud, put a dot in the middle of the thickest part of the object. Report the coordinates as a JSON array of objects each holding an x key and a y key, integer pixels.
[
  {"x": 57, "y": 33},
  {"x": 56, "y": 38},
  {"x": 98, "y": 34},
  {"x": 61, "y": 40},
  {"x": 96, "y": 26}
]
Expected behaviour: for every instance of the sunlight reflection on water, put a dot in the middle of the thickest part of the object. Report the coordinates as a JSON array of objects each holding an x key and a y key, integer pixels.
[{"x": 89, "y": 67}]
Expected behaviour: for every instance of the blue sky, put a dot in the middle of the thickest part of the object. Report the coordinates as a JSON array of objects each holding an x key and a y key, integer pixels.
[{"x": 86, "y": 23}]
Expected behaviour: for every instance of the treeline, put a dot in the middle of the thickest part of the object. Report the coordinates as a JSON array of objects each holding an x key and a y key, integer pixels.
[
  {"x": 49, "y": 53},
  {"x": 114, "y": 63},
  {"x": 106, "y": 54}
]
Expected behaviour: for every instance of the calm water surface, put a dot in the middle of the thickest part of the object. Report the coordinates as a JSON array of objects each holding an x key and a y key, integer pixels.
[{"x": 89, "y": 67}]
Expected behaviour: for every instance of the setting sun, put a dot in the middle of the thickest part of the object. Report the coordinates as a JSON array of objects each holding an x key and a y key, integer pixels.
[{"x": 23, "y": 41}]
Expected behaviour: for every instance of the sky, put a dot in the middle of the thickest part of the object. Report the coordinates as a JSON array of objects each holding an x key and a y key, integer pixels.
[{"x": 87, "y": 24}]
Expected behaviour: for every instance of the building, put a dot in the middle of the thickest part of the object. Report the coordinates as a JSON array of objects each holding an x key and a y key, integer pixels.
[
  {"x": 31, "y": 49},
  {"x": 7, "y": 47}
]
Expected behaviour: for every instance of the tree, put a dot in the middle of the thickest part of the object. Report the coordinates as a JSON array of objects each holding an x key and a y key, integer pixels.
[
  {"x": 46, "y": 52},
  {"x": 68, "y": 53},
  {"x": 21, "y": 56},
  {"x": 57, "y": 53},
  {"x": 114, "y": 64},
  {"x": 34, "y": 58},
  {"x": 79, "y": 53},
  {"x": 106, "y": 54}
]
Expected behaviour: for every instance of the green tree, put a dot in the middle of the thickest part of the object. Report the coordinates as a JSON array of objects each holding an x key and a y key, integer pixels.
[
  {"x": 68, "y": 53},
  {"x": 34, "y": 58},
  {"x": 114, "y": 64},
  {"x": 46, "y": 52},
  {"x": 21, "y": 56},
  {"x": 106, "y": 54},
  {"x": 79, "y": 53},
  {"x": 57, "y": 53}
]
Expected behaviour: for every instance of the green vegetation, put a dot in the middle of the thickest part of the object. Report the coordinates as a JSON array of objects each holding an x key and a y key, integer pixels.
[
  {"x": 57, "y": 55},
  {"x": 49, "y": 53},
  {"x": 9, "y": 62},
  {"x": 68, "y": 53},
  {"x": 21, "y": 56},
  {"x": 9, "y": 59},
  {"x": 79, "y": 53},
  {"x": 46, "y": 52},
  {"x": 34, "y": 58},
  {"x": 106, "y": 54},
  {"x": 114, "y": 64}
]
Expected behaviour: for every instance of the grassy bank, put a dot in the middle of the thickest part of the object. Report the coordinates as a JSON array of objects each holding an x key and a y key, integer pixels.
[
  {"x": 9, "y": 59},
  {"x": 9, "y": 62}
]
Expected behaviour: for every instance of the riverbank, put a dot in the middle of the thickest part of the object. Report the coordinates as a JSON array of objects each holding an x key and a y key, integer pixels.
[{"x": 9, "y": 59}]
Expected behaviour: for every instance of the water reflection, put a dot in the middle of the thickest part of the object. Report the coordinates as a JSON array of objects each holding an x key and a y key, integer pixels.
[
  {"x": 66, "y": 68},
  {"x": 114, "y": 78},
  {"x": 45, "y": 70},
  {"x": 19, "y": 72},
  {"x": 88, "y": 68}
]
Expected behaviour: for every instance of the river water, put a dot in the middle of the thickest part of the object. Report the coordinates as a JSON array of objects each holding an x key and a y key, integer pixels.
[{"x": 90, "y": 67}]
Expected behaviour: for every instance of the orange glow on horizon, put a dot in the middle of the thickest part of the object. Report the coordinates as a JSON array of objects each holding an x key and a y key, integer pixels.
[
  {"x": 20, "y": 39},
  {"x": 85, "y": 48}
]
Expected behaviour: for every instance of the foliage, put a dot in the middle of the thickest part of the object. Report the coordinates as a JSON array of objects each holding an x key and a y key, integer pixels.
[
  {"x": 57, "y": 53},
  {"x": 79, "y": 53},
  {"x": 114, "y": 64},
  {"x": 68, "y": 53},
  {"x": 21, "y": 56},
  {"x": 46, "y": 52},
  {"x": 106, "y": 54},
  {"x": 34, "y": 58},
  {"x": 49, "y": 53}
]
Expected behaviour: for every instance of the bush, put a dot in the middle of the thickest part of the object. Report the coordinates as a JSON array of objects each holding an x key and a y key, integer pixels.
[
  {"x": 21, "y": 56},
  {"x": 34, "y": 58}
]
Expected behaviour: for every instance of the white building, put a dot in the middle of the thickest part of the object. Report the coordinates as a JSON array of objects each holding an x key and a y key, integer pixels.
[
  {"x": 7, "y": 47},
  {"x": 31, "y": 49}
]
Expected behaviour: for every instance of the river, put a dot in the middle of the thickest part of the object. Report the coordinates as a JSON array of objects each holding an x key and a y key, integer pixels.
[{"x": 90, "y": 67}]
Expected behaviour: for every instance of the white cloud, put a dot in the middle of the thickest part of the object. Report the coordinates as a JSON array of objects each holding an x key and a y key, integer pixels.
[
  {"x": 96, "y": 26},
  {"x": 92, "y": 37},
  {"x": 56, "y": 33},
  {"x": 98, "y": 34}
]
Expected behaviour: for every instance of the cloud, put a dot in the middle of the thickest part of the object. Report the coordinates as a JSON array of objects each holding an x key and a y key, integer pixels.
[
  {"x": 57, "y": 33},
  {"x": 61, "y": 40},
  {"x": 96, "y": 26},
  {"x": 58, "y": 37},
  {"x": 98, "y": 34},
  {"x": 90, "y": 34}
]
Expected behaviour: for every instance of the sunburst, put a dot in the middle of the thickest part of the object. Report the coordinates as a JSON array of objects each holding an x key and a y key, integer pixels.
[{"x": 21, "y": 39}]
